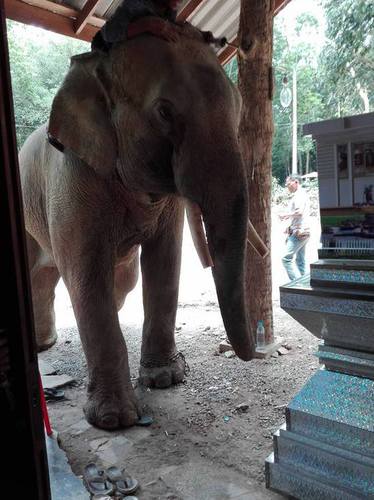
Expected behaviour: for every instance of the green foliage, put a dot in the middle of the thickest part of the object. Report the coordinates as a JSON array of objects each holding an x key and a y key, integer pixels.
[
  {"x": 331, "y": 79},
  {"x": 348, "y": 56},
  {"x": 279, "y": 193},
  {"x": 297, "y": 51},
  {"x": 38, "y": 62},
  {"x": 231, "y": 69}
]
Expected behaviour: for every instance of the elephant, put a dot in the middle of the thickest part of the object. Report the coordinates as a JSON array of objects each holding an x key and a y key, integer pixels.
[{"x": 134, "y": 136}]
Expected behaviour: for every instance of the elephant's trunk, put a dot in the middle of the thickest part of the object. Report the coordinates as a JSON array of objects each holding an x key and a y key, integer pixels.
[
  {"x": 217, "y": 184},
  {"x": 226, "y": 230}
]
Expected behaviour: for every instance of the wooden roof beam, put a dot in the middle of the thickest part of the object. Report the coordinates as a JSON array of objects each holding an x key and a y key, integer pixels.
[
  {"x": 84, "y": 15},
  {"x": 279, "y": 5},
  {"x": 188, "y": 9},
  {"x": 228, "y": 52},
  {"x": 61, "y": 9},
  {"x": 52, "y": 17}
]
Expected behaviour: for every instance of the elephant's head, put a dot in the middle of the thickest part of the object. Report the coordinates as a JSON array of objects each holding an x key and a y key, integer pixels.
[{"x": 164, "y": 117}]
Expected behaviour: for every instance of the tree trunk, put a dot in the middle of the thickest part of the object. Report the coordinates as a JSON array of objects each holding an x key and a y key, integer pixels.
[{"x": 256, "y": 133}]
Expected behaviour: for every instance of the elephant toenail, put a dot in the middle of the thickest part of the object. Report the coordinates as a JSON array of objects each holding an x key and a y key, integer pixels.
[
  {"x": 163, "y": 380},
  {"x": 178, "y": 377},
  {"x": 109, "y": 421},
  {"x": 146, "y": 381}
]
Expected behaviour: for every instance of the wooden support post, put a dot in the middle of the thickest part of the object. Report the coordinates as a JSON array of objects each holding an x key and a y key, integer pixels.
[
  {"x": 21, "y": 429},
  {"x": 256, "y": 131}
]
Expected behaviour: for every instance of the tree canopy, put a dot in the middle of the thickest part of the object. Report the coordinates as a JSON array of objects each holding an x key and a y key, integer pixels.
[
  {"x": 38, "y": 65},
  {"x": 334, "y": 78},
  {"x": 348, "y": 56}
]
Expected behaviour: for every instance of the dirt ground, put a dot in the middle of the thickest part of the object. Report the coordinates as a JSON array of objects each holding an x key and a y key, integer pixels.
[{"x": 212, "y": 433}]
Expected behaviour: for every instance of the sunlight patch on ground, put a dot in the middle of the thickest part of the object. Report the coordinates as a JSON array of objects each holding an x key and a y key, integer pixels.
[{"x": 196, "y": 283}]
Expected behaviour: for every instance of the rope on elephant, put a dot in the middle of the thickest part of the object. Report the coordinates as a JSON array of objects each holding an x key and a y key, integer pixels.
[{"x": 169, "y": 362}]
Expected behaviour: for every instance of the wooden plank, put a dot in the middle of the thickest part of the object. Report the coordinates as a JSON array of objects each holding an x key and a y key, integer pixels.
[
  {"x": 51, "y": 21},
  {"x": 228, "y": 52},
  {"x": 188, "y": 9},
  {"x": 63, "y": 10},
  {"x": 279, "y": 5},
  {"x": 24, "y": 423},
  {"x": 84, "y": 15},
  {"x": 57, "y": 8}
]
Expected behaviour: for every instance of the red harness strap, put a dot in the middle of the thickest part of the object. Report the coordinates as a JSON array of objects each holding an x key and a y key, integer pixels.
[{"x": 43, "y": 404}]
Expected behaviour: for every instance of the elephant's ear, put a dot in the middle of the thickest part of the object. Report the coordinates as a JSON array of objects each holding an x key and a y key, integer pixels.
[{"x": 80, "y": 118}]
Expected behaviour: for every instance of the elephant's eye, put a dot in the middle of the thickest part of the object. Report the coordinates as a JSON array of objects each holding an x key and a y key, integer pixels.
[{"x": 165, "y": 112}]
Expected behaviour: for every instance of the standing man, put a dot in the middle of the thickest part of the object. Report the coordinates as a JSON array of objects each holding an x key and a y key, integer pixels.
[{"x": 298, "y": 232}]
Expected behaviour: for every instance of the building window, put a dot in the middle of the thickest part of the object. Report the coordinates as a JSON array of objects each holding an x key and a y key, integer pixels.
[{"x": 342, "y": 161}]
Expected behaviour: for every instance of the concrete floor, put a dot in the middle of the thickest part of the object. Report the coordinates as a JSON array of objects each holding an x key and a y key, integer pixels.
[
  {"x": 64, "y": 484},
  {"x": 200, "y": 479}
]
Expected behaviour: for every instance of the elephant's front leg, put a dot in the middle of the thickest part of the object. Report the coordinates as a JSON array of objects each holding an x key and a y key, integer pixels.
[
  {"x": 111, "y": 401},
  {"x": 161, "y": 365}
]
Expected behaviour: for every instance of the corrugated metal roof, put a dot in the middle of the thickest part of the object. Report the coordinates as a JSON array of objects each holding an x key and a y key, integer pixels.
[
  {"x": 82, "y": 18},
  {"x": 221, "y": 17}
]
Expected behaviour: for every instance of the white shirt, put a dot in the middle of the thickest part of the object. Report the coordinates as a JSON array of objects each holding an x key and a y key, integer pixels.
[{"x": 300, "y": 203}]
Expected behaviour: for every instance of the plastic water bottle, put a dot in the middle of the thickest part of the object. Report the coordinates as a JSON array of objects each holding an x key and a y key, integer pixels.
[{"x": 260, "y": 335}]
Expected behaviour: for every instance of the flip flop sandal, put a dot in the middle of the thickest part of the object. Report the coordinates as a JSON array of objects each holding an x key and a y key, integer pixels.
[
  {"x": 144, "y": 421},
  {"x": 96, "y": 480},
  {"x": 53, "y": 394},
  {"x": 124, "y": 484}
]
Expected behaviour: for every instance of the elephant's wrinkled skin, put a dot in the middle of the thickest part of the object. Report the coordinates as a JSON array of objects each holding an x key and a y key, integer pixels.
[{"x": 142, "y": 127}]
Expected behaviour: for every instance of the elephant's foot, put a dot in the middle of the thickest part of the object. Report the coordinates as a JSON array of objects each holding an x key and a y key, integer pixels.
[
  {"x": 109, "y": 409},
  {"x": 163, "y": 375},
  {"x": 45, "y": 338}
]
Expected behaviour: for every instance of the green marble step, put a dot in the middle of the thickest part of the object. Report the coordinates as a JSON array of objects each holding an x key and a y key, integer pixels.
[
  {"x": 335, "y": 409},
  {"x": 341, "y": 317},
  {"x": 356, "y": 363},
  {"x": 303, "y": 286},
  {"x": 338, "y": 273},
  {"x": 298, "y": 484},
  {"x": 326, "y": 449},
  {"x": 342, "y": 468}
]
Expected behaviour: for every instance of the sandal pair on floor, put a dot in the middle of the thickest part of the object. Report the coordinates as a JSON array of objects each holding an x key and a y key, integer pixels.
[{"x": 111, "y": 481}]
